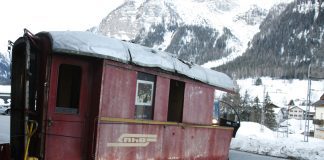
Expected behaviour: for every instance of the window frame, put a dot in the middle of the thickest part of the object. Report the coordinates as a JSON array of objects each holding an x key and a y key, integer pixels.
[
  {"x": 145, "y": 110},
  {"x": 68, "y": 109},
  {"x": 176, "y": 108},
  {"x": 137, "y": 97}
]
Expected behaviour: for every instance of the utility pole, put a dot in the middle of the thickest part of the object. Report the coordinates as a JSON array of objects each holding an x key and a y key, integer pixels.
[
  {"x": 306, "y": 132},
  {"x": 262, "y": 110},
  {"x": 287, "y": 120}
]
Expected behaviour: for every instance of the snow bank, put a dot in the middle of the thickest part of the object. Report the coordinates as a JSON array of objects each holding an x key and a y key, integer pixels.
[
  {"x": 5, "y": 89},
  {"x": 298, "y": 126},
  {"x": 250, "y": 138}
]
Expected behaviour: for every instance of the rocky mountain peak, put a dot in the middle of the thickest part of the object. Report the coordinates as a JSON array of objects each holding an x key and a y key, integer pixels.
[
  {"x": 229, "y": 25},
  {"x": 288, "y": 42},
  {"x": 133, "y": 16}
]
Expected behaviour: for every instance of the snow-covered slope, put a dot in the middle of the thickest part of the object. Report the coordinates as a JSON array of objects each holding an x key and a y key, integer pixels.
[
  {"x": 251, "y": 139},
  {"x": 286, "y": 44},
  {"x": 240, "y": 18},
  {"x": 282, "y": 91}
]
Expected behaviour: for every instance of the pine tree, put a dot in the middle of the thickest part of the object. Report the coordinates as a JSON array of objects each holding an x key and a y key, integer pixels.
[
  {"x": 258, "y": 82},
  {"x": 246, "y": 108},
  {"x": 270, "y": 118},
  {"x": 256, "y": 111}
]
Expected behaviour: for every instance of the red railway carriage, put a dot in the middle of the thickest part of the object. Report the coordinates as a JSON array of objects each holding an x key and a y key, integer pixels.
[{"x": 76, "y": 95}]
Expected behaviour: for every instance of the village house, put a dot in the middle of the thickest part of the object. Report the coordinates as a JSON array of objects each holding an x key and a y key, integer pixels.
[
  {"x": 319, "y": 118},
  {"x": 298, "y": 112},
  {"x": 281, "y": 114}
]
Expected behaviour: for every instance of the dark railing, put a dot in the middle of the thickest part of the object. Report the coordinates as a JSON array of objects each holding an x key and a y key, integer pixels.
[{"x": 318, "y": 121}]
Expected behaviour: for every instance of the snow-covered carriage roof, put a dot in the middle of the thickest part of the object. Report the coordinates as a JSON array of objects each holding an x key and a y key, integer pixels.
[{"x": 89, "y": 44}]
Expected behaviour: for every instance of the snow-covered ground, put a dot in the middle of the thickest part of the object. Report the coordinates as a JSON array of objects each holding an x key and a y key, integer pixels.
[
  {"x": 298, "y": 126},
  {"x": 250, "y": 138},
  {"x": 4, "y": 129}
]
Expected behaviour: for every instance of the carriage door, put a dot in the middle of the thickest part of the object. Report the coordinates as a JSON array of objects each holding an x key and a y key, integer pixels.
[{"x": 67, "y": 109}]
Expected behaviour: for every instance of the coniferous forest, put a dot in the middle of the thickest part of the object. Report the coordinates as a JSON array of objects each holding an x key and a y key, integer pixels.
[{"x": 284, "y": 47}]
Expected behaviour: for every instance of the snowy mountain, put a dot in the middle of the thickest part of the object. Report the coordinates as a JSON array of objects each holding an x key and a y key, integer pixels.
[
  {"x": 286, "y": 44},
  {"x": 4, "y": 70},
  {"x": 223, "y": 32},
  {"x": 195, "y": 30}
]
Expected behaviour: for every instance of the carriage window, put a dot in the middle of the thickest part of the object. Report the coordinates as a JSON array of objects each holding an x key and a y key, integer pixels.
[
  {"x": 144, "y": 100},
  {"x": 176, "y": 95},
  {"x": 68, "y": 89}
]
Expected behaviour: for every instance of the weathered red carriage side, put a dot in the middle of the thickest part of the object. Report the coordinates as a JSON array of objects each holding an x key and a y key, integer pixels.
[{"x": 95, "y": 97}]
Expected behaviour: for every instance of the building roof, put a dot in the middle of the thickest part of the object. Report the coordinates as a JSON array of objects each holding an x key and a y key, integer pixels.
[
  {"x": 89, "y": 44},
  {"x": 273, "y": 105},
  {"x": 319, "y": 103},
  {"x": 277, "y": 110},
  {"x": 311, "y": 109}
]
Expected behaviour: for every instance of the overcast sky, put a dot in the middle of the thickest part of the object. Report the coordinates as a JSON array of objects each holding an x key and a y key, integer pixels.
[{"x": 50, "y": 15}]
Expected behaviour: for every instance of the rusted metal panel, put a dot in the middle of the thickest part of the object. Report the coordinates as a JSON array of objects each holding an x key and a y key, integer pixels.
[
  {"x": 118, "y": 92},
  {"x": 68, "y": 148},
  {"x": 222, "y": 143},
  {"x": 111, "y": 148},
  {"x": 161, "y": 99},
  {"x": 201, "y": 143},
  {"x": 63, "y": 128},
  {"x": 136, "y": 141},
  {"x": 173, "y": 139},
  {"x": 198, "y": 104}
]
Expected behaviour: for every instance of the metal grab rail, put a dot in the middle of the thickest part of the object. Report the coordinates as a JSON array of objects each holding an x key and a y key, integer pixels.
[
  {"x": 31, "y": 129},
  {"x": 230, "y": 123}
]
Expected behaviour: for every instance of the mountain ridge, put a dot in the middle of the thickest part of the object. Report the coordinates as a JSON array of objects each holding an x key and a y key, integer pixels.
[
  {"x": 251, "y": 41},
  {"x": 284, "y": 47},
  {"x": 176, "y": 23}
]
